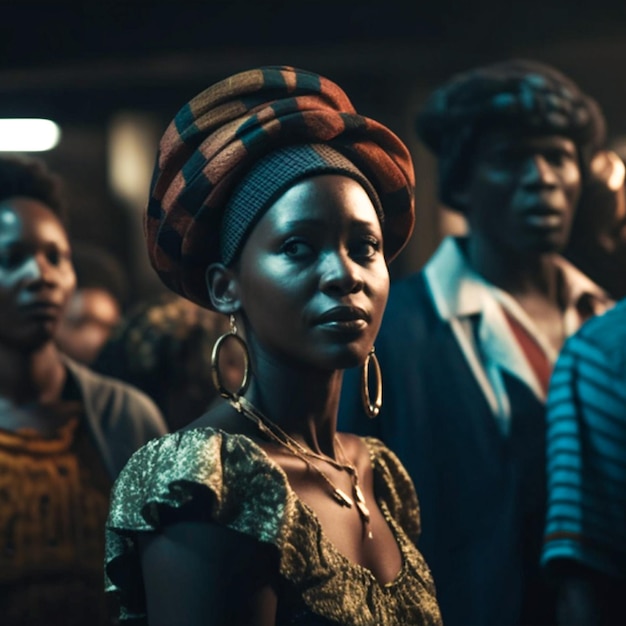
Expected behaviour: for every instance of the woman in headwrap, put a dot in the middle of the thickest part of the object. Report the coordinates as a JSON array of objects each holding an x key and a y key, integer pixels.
[{"x": 275, "y": 203}]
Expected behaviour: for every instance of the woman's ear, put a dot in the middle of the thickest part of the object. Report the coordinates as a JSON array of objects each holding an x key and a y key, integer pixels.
[{"x": 223, "y": 288}]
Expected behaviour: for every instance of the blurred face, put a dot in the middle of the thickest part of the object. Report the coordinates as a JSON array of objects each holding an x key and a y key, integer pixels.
[
  {"x": 601, "y": 218},
  {"x": 36, "y": 273},
  {"x": 523, "y": 191},
  {"x": 89, "y": 319},
  {"x": 312, "y": 276}
]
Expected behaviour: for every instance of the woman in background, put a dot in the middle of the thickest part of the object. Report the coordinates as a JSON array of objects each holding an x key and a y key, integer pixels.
[
  {"x": 65, "y": 431},
  {"x": 163, "y": 347}
]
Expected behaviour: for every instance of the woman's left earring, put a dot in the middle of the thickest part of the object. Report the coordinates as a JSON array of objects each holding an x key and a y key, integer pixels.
[{"x": 372, "y": 409}]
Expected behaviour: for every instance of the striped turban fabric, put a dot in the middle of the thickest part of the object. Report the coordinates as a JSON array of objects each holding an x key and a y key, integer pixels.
[{"x": 221, "y": 134}]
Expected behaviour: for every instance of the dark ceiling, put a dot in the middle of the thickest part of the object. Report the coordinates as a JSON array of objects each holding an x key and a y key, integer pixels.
[
  {"x": 51, "y": 51},
  {"x": 77, "y": 60},
  {"x": 39, "y": 34}
]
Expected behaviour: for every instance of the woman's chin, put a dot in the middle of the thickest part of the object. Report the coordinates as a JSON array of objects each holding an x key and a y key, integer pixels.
[{"x": 351, "y": 359}]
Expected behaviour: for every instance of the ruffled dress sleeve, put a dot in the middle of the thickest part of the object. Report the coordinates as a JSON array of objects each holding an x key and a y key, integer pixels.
[{"x": 228, "y": 475}]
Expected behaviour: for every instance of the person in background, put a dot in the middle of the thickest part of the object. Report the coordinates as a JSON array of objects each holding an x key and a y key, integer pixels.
[
  {"x": 275, "y": 203},
  {"x": 584, "y": 553},
  {"x": 468, "y": 343},
  {"x": 164, "y": 347},
  {"x": 97, "y": 305},
  {"x": 65, "y": 432},
  {"x": 597, "y": 244}
]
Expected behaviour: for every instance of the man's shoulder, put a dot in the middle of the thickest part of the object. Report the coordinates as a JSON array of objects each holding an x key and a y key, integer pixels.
[
  {"x": 412, "y": 308},
  {"x": 90, "y": 379},
  {"x": 408, "y": 300},
  {"x": 600, "y": 341},
  {"x": 607, "y": 328},
  {"x": 104, "y": 394},
  {"x": 408, "y": 288}
]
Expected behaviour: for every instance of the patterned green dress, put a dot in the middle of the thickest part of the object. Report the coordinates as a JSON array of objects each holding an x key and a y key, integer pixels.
[{"x": 246, "y": 491}]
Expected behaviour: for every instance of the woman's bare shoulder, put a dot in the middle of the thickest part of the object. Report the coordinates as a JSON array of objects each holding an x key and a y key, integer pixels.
[{"x": 226, "y": 418}]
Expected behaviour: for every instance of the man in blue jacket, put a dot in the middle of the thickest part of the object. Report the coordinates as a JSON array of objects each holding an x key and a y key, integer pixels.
[{"x": 468, "y": 343}]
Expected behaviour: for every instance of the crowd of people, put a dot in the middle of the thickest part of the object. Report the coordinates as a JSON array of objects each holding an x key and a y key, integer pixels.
[{"x": 286, "y": 435}]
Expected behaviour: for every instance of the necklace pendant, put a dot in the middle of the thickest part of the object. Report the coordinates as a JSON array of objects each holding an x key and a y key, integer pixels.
[
  {"x": 342, "y": 498},
  {"x": 364, "y": 511},
  {"x": 358, "y": 494},
  {"x": 360, "y": 504}
]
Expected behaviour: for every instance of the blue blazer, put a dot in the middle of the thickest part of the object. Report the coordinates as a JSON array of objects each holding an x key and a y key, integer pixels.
[{"x": 482, "y": 494}]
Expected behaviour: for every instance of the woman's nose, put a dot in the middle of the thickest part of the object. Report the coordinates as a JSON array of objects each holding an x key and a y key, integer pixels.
[
  {"x": 341, "y": 273},
  {"x": 38, "y": 270}
]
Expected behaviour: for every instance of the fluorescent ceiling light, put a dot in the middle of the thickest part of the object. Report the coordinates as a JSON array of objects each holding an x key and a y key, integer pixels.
[{"x": 28, "y": 135}]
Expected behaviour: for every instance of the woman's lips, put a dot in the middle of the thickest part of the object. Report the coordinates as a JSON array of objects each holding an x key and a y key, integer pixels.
[
  {"x": 344, "y": 318},
  {"x": 41, "y": 309}
]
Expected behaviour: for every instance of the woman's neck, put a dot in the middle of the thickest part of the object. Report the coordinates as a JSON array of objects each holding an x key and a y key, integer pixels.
[{"x": 303, "y": 403}]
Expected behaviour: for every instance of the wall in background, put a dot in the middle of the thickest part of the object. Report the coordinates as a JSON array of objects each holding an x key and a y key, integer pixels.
[{"x": 108, "y": 65}]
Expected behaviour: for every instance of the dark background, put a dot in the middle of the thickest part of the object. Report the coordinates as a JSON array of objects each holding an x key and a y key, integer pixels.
[{"x": 86, "y": 65}]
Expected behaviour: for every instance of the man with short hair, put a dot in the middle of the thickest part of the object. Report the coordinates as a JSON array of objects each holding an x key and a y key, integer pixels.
[{"x": 468, "y": 343}]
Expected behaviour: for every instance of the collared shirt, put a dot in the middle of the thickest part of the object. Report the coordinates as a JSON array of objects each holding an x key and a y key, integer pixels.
[{"x": 475, "y": 310}]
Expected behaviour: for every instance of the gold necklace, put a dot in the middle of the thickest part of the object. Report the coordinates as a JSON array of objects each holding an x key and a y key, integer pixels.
[{"x": 277, "y": 434}]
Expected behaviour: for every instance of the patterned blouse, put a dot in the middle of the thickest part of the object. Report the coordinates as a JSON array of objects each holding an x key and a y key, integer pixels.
[
  {"x": 54, "y": 498},
  {"x": 249, "y": 493}
]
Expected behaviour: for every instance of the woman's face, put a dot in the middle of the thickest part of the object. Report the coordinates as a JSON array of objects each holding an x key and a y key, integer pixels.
[
  {"x": 313, "y": 282},
  {"x": 36, "y": 272}
]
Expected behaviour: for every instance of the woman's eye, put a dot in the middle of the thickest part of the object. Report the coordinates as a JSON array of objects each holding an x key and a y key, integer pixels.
[
  {"x": 54, "y": 257},
  {"x": 10, "y": 258},
  {"x": 367, "y": 248},
  {"x": 295, "y": 248},
  {"x": 57, "y": 256}
]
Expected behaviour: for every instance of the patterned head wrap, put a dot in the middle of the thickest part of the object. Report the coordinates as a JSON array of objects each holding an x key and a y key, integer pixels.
[
  {"x": 224, "y": 138},
  {"x": 516, "y": 95}
]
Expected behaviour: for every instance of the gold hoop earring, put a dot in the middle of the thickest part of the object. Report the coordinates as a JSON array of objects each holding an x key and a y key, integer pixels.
[
  {"x": 216, "y": 375},
  {"x": 372, "y": 410}
]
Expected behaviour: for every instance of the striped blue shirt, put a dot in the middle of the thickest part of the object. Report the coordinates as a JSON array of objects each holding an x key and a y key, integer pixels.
[{"x": 586, "y": 448}]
